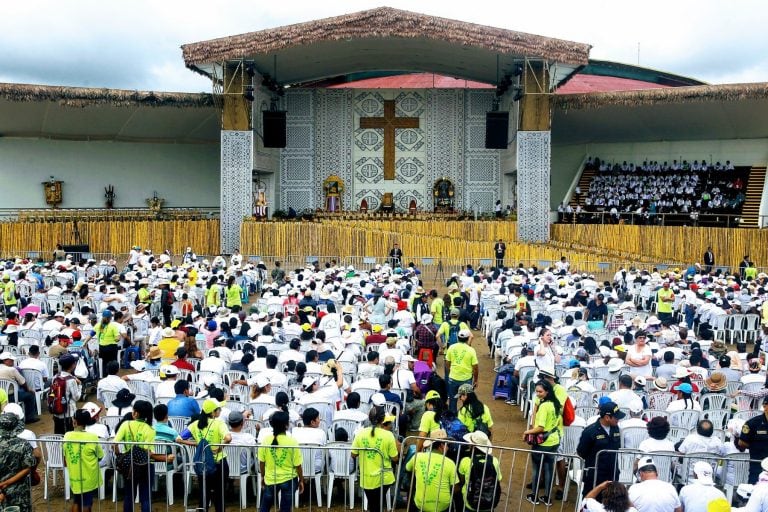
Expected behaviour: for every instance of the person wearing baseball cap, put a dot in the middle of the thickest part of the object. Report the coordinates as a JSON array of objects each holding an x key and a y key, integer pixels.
[
  {"x": 701, "y": 489},
  {"x": 604, "y": 434},
  {"x": 652, "y": 493},
  {"x": 108, "y": 334},
  {"x": 461, "y": 366},
  {"x": 754, "y": 436},
  {"x": 210, "y": 427}
]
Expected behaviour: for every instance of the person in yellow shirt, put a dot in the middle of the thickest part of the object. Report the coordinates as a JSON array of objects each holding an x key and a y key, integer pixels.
[
  {"x": 108, "y": 334},
  {"x": 82, "y": 453},
  {"x": 168, "y": 344},
  {"x": 434, "y": 474},
  {"x": 280, "y": 465},
  {"x": 143, "y": 294},
  {"x": 473, "y": 413},
  {"x": 192, "y": 277},
  {"x": 213, "y": 294},
  {"x": 461, "y": 366},
  {"x": 436, "y": 308},
  {"x": 234, "y": 295},
  {"x": 430, "y": 420},
  {"x": 481, "y": 452},
  {"x": 665, "y": 299},
  {"x": 546, "y": 422},
  {"x": 209, "y": 427},
  {"x": 377, "y": 450},
  {"x": 9, "y": 294}
]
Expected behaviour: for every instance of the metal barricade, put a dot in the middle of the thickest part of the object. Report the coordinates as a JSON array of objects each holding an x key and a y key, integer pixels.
[
  {"x": 155, "y": 481},
  {"x": 445, "y": 467}
]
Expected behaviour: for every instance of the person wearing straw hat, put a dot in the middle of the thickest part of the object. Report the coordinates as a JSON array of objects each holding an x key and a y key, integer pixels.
[
  {"x": 715, "y": 383},
  {"x": 480, "y": 451},
  {"x": 434, "y": 474}
]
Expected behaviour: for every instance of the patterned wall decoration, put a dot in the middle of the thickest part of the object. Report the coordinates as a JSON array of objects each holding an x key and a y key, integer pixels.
[
  {"x": 411, "y": 180},
  {"x": 334, "y": 136},
  {"x": 236, "y": 167},
  {"x": 445, "y": 141},
  {"x": 482, "y": 186},
  {"x": 533, "y": 177},
  {"x": 297, "y": 165}
]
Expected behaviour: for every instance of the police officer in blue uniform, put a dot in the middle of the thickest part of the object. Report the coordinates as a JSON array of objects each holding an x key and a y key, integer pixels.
[
  {"x": 754, "y": 436},
  {"x": 603, "y": 434}
]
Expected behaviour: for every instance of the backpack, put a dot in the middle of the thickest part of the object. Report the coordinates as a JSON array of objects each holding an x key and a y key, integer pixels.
[
  {"x": 454, "y": 428},
  {"x": 57, "y": 396},
  {"x": 453, "y": 332},
  {"x": 483, "y": 489},
  {"x": 203, "y": 460},
  {"x": 170, "y": 299},
  {"x": 569, "y": 412}
]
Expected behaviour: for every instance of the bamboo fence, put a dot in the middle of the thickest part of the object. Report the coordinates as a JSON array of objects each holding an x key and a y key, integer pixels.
[
  {"x": 111, "y": 237},
  {"x": 679, "y": 243}
]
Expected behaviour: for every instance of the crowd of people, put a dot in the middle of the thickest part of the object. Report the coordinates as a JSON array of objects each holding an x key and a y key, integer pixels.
[
  {"x": 231, "y": 352},
  {"x": 640, "y": 193}
]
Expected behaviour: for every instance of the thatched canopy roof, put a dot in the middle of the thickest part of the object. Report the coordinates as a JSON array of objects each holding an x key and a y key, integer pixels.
[
  {"x": 705, "y": 112},
  {"x": 384, "y": 39},
  {"x": 670, "y": 95},
  {"x": 86, "y": 96},
  {"x": 76, "y": 113}
]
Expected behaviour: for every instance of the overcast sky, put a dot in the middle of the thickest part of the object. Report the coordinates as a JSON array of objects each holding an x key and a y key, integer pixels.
[{"x": 135, "y": 44}]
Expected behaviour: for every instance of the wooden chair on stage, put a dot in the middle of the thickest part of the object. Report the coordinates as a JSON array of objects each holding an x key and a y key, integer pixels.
[
  {"x": 387, "y": 203},
  {"x": 364, "y": 206},
  {"x": 412, "y": 207}
]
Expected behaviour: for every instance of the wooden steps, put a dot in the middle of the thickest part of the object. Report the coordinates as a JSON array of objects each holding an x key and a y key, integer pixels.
[
  {"x": 750, "y": 210},
  {"x": 584, "y": 181}
]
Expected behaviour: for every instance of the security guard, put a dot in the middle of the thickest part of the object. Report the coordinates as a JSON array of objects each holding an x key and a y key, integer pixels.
[
  {"x": 754, "y": 435},
  {"x": 603, "y": 434}
]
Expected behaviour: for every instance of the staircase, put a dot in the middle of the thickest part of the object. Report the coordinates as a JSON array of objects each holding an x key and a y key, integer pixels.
[
  {"x": 584, "y": 181},
  {"x": 750, "y": 210}
]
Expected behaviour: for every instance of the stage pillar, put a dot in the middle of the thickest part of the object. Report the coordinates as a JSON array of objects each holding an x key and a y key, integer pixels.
[
  {"x": 533, "y": 155},
  {"x": 236, "y": 159}
]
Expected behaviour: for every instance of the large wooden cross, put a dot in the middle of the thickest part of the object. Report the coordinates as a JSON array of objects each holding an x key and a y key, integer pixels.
[{"x": 389, "y": 123}]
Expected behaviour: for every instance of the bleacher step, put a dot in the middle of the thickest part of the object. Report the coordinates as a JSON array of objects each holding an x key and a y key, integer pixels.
[{"x": 750, "y": 211}]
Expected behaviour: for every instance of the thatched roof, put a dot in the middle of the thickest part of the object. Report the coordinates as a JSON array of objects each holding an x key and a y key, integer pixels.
[
  {"x": 85, "y": 96},
  {"x": 670, "y": 95},
  {"x": 380, "y": 23}
]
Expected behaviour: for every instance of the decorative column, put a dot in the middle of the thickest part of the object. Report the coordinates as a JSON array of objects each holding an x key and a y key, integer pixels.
[
  {"x": 236, "y": 160},
  {"x": 533, "y": 156}
]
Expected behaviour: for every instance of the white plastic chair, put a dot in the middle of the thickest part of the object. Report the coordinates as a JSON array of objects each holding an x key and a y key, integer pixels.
[
  {"x": 234, "y": 456},
  {"x": 574, "y": 473},
  {"x": 685, "y": 419},
  {"x": 167, "y": 470},
  {"x": 54, "y": 462},
  {"x": 631, "y": 437},
  {"x": 341, "y": 465},
  {"x": 739, "y": 462},
  {"x": 34, "y": 380},
  {"x": 310, "y": 473}
]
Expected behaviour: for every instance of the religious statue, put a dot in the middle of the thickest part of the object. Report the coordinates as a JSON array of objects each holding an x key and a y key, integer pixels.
[
  {"x": 109, "y": 195},
  {"x": 444, "y": 195},
  {"x": 259, "y": 199},
  {"x": 53, "y": 193},
  {"x": 387, "y": 203},
  {"x": 155, "y": 203},
  {"x": 333, "y": 187}
]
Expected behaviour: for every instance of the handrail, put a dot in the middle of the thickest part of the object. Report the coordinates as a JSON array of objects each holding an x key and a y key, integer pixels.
[{"x": 652, "y": 219}]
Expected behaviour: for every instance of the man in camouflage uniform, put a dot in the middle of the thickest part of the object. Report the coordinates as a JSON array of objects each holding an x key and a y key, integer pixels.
[{"x": 15, "y": 457}]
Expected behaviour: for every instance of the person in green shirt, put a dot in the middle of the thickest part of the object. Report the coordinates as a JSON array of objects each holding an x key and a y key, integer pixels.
[
  {"x": 377, "y": 450},
  {"x": 208, "y": 426},
  {"x": 436, "y": 308},
  {"x": 82, "y": 453},
  {"x": 234, "y": 295},
  {"x": 472, "y": 412},
  {"x": 280, "y": 465},
  {"x": 461, "y": 366},
  {"x": 430, "y": 420},
  {"x": 139, "y": 430},
  {"x": 480, "y": 451},
  {"x": 213, "y": 294},
  {"x": 546, "y": 421},
  {"x": 108, "y": 334},
  {"x": 434, "y": 474}
]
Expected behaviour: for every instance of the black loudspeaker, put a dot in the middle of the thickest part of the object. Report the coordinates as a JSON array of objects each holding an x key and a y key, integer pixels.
[
  {"x": 274, "y": 128},
  {"x": 496, "y": 128}
]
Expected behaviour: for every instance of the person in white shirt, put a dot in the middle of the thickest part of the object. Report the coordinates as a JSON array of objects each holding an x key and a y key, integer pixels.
[
  {"x": 168, "y": 375},
  {"x": 213, "y": 363},
  {"x": 658, "y": 429},
  {"x": 112, "y": 382},
  {"x": 352, "y": 412},
  {"x": 635, "y": 418},
  {"x": 241, "y": 438},
  {"x": 702, "y": 441},
  {"x": 624, "y": 396},
  {"x": 652, "y": 494},
  {"x": 33, "y": 362},
  {"x": 293, "y": 353},
  {"x": 758, "y": 501},
  {"x": 56, "y": 323},
  {"x": 371, "y": 369},
  {"x": 311, "y": 433},
  {"x": 685, "y": 402},
  {"x": 754, "y": 373},
  {"x": 701, "y": 490}
]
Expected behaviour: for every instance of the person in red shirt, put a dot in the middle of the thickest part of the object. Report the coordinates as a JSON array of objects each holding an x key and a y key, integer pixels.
[
  {"x": 375, "y": 337},
  {"x": 181, "y": 360}
]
